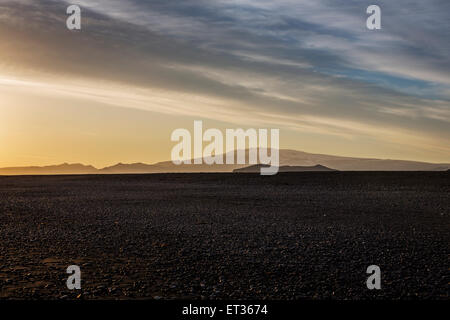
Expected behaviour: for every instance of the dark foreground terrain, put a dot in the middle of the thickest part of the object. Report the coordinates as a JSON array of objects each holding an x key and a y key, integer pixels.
[{"x": 237, "y": 236}]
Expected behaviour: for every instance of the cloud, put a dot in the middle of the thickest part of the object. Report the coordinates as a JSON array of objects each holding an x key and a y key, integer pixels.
[
  {"x": 307, "y": 65},
  {"x": 413, "y": 31}
]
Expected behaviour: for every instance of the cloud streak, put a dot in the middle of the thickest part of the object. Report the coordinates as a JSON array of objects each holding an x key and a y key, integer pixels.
[{"x": 308, "y": 66}]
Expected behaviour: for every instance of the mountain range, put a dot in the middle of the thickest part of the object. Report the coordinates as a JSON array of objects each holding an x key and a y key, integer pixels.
[{"x": 290, "y": 160}]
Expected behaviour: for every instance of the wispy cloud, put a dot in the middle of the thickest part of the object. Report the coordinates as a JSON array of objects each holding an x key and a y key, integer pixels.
[{"x": 307, "y": 65}]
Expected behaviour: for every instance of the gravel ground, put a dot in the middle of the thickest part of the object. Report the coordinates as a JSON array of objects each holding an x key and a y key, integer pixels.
[{"x": 226, "y": 236}]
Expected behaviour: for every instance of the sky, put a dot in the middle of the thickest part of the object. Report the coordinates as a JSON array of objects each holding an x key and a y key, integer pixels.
[{"x": 137, "y": 70}]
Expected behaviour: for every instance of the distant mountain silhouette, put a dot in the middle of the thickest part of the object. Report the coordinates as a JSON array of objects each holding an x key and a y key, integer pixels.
[
  {"x": 166, "y": 166},
  {"x": 64, "y": 168},
  {"x": 291, "y": 160},
  {"x": 257, "y": 168},
  {"x": 293, "y": 157}
]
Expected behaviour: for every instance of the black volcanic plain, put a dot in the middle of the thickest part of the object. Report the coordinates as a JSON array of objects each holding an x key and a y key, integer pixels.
[{"x": 238, "y": 236}]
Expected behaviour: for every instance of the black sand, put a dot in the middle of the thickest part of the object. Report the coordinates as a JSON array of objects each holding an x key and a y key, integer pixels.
[{"x": 238, "y": 236}]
